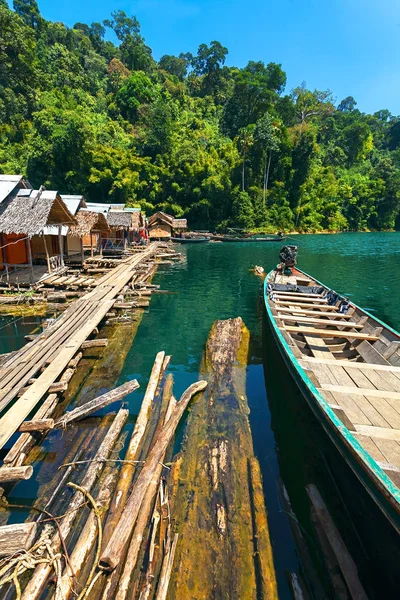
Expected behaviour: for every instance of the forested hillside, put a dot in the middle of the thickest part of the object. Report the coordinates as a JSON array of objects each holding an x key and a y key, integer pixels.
[{"x": 187, "y": 135}]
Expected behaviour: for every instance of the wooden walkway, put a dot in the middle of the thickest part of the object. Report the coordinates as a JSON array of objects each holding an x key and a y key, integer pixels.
[
  {"x": 44, "y": 359},
  {"x": 364, "y": 390}
]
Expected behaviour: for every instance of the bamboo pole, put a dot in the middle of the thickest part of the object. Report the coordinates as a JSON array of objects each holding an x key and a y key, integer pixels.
[
  {"x": 15, "y": 473},
  {"x": 39, "y": 577},
  {"x": 88, "y": 536},
  {"x": 143, "y": 517},
  {"x": 128, "y": 469},
  {"x": 166, "y": 570},
  {"x": 122, "y": 532}
]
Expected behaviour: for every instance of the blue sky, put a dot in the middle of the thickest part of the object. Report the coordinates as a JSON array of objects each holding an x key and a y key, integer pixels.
[{"x": 351, "y": 47}]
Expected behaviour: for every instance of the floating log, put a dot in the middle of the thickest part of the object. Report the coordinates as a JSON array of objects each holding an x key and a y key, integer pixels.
[
  {"x": 97, "y": 403},
  {"x": 166, "y": 570},
  {"x": 37, "y": 425},
  {"x": 39, "y": 577},
  {"x": 110, "y": 556},
  {"x": 16, "y": 538},
  {"x": 144, "y": 514},
  {"x": 15, "y": 473},
  {"x": 25, "y": 442},
  {"x": 100, "y": 343},
  {"x": 128, "y": 469},
  {"x": 218, "y": 513},
  {"x": 73, "y": 363}
]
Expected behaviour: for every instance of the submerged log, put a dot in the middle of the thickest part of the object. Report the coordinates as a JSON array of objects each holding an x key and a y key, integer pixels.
[
  {"x": 220, "y": 516},
  {"x": 111, "y": 554},
  {"x": 101, "y": 343},
  {"x": 37, "y": 425},
  {"x": 100, "y": 402},
  {"x": 16, "y": 538}
]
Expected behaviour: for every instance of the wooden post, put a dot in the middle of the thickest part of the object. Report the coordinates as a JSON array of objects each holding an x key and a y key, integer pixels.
[
  {"x": 60, "y": 244},
  {"x": 29, "y": 251},
  {"x": 47, "y": 253},
  {"x": 82, "y": 251},
  {"x": 91, "y": 244}
]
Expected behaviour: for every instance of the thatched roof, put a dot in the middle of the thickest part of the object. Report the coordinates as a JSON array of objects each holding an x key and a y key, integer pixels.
[
  {"x": 88, "y": 221},
  {"x": 30, "y": 212},
  {"x": 161, "y": 217},
  {"x": 120, "y": 219},
  {"x": 179, "y": 224}
]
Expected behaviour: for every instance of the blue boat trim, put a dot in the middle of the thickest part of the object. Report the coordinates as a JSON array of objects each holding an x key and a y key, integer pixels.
[{"x": 389, "y": 488}]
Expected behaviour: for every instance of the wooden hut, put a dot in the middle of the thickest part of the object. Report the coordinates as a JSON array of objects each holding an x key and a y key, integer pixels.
[
  {"x": 124, "y": 225},
  {"x": 163, "y": 226},
  {"x": 29, "y": 251},
  {"x": 89, "y": 224}
]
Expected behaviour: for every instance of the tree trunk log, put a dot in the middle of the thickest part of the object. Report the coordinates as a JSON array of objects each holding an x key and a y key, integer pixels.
[
  {"x": 211, "y": 498},
  {"x": 100, "y": 402}
]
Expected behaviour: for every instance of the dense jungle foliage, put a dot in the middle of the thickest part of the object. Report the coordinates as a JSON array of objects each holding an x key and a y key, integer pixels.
[{"x": 187, "y": 135}]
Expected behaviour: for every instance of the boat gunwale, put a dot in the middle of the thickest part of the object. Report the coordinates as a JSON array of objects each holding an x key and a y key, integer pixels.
[{"x": 375, "y": 472}]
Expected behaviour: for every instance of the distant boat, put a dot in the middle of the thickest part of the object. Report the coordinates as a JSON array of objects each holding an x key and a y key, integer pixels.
[
  {"x": 232, "y": 238},
  {"x": 346, "y": 363},
  {"x": 190, "y": 240}
]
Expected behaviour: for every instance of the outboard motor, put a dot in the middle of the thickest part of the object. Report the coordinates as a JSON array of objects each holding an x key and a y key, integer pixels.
[{"x": 288, "y": 257}]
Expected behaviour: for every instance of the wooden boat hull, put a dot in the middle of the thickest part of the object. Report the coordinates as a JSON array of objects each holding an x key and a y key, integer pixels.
[
  {"x": 222, "y": 238},
  {"x": 373, "y": 478},
  {"x": 190, "y": 240}
]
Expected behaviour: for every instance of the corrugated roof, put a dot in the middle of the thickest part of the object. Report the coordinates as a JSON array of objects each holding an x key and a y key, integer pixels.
[
  {"x": 7, "y": 184},
  {"x": 73, "y": 203},
  {"x": 98, "y": 207}
]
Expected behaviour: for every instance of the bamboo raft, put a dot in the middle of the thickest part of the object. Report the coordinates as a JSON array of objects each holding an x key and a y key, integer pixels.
[
  {"x": 34, "y": 370},
  {"x": 347, "y": 365}
]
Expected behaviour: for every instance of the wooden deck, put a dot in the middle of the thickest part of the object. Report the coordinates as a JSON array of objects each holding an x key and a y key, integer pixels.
[
  {"x": 39, "y": 363},
  {"x": 27, "y": 277},
  {"x": 354, "y": 365}
]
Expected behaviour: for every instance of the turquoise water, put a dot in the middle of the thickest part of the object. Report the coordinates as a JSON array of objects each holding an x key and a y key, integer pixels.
[{"x": 215, "y": 282}]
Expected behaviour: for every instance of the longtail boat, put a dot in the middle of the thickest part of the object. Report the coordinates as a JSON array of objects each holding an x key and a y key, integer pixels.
[
  {"x": 233, "y": 238},
  {"x": 346, "y": 363},
  {"x": 190, "y": 240}
]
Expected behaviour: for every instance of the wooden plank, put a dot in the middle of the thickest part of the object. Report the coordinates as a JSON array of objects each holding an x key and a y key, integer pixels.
[
  {"x": 332, "y": 333},
  {"x": 390, "y": 449},
  {"x": 13, "y": 418},
  {"x": 386, "y": 433},
  {"x": 297, "y": 294},
  {"x": 369, "y": 445},
  {"x": 305, "y": 299},
  {"x": 317, "y": 346},
  {"x": 370, "y": 354},
  {"x": 373, "y": 393},
  {"x": 305, "y": 304},
  {"x": 300, "y": 319},
  {"x": 313, "y": 311},
  {"x": 351, "y": 364}
]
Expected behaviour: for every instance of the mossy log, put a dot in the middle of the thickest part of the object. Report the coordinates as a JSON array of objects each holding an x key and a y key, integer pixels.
[{"x": 220, "y": 517}]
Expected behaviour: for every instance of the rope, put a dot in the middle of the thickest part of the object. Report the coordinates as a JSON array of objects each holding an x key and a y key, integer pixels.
[{"x": 16, "y": 242}]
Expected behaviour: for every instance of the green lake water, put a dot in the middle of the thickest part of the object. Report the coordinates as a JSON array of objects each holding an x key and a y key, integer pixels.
[{"x": 215, "y": 282}]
